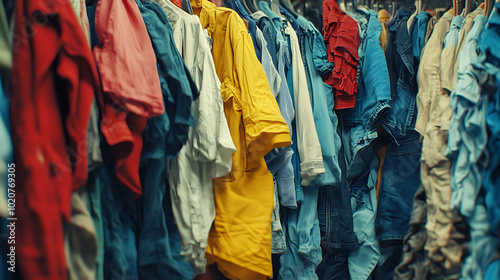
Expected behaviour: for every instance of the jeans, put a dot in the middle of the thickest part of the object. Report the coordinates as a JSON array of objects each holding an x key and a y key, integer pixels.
[
  {"x": 335, "y": 213},
  {"x": 334, "y": 265},
  {"x": 301, "y": 228},
  {"x": 363, "y": 259},
  {"x": 400, "y": 180}
]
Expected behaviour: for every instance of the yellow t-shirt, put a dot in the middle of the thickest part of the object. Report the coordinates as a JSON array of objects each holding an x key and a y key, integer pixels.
[{"x": 240, "y": 237}]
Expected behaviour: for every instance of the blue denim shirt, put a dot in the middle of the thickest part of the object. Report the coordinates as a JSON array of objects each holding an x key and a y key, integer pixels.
[
  {"x": 372, "y": 99},
  {"x": 419, "y": 31},
  {"x": 467, "y": 136},
  {"x": 279, "y": 160},
  {"x": 267, "y": 28},
  {"x": 489, "y": 59},
  {"x": 402, "y": 72},
  {"x": 316, "y": 63}
]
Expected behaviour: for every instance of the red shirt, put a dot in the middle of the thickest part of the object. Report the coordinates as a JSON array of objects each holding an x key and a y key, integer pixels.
[
  {"x": 53, "y": 83},
  {"x": 130, "y": 81},
  {"x": 341, "y": 35}
]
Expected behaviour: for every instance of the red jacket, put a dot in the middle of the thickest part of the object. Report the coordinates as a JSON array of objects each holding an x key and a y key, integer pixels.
[{"x": 341, "y": 35}]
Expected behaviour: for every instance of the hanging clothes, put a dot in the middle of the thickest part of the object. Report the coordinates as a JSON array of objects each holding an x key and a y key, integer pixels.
[
  {"x": 49, "y": 128},
  {"x": 207, "y": 153},
  {"x": 342, "y": 40},
  {"x": 256, "y": 127}
]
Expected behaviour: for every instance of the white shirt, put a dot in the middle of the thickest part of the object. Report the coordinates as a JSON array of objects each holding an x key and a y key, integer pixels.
[
  {"x": 311, "y": 157},
  {"x": 208, "y": 151}
]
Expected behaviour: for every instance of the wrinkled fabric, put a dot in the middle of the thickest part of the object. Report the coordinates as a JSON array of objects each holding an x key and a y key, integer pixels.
[
  {"x": 402, "y": 66},
  {"x": 164, "y": 136},
  {"x": 467, "y": 137},
  {"x": 400, "y": 180},
  {"x": 488, "y": 44},
  {"x": 374, "y": 90},
  {"x": 244, "y": 198},
  {"x": 207, "y": 153},
  {"x": 301, "y": 225},
  {"x": 53, "y": 83},
  {"x": 308, "y": 145},
  {"x": 418, "y": 33},
  {"x": 342, "y": 40},
  {"x": 325, "y": 119},
  {"x": 415, "y": 264},
  {"x": 125, "y": 107}
]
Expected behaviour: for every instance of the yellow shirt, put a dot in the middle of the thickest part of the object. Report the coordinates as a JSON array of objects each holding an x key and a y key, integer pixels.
[{"x": 240, "y": 237}]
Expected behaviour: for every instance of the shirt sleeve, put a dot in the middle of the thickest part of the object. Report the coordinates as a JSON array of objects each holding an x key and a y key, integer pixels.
[
  {"x": 311, "y": 157},
  {"x": 265, "y": 128}
]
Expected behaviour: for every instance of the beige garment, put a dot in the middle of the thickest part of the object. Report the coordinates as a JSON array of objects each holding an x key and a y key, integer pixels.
[
  {"x": 430, "y": 27},
  {"x": 444, "y": 243},
  {"x": 383, "y": 17},
  {"x": 80, "y": 236},
  {"x": 80, "y": 239},
  {"x": 435, "y": 166},
  {"x": 429, "y": 81}
]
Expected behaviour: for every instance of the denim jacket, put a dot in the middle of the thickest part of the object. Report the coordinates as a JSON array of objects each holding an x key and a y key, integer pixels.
[
  {"x": 372, "y": 99},
  {"x": 403, "y": 73}
]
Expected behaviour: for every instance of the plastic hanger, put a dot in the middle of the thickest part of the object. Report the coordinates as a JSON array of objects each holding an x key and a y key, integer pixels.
[{"x": 418, "y": 8}]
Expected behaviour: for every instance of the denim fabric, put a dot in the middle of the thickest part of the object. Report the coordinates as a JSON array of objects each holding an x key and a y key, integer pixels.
[
  {"x": 400, "y": 180},
  {"x": 154, "y": 236},
  {"x": 467, "y": 136},
  {"x": 493, "y": 271},
  {"x": 489, "y": 59},
  {"x": 363, "y": 259},
  {"x": 483, "y": 243},
  {"x": 390, "y": 256},
  {"x": 265, "y": 24},
  {"x": 301, "y": 225},
  {"x": 415, "y": 263},
  {"x": 120, "y": 257},
  {"x": 178, "y": 88},
  {"x": 333, "y": 265},
  {"x": 278, "y": 235},
  {"x": 418, "y": 32},
  {"x": 402, "y": 72},
  {"x": 252, "y": 26},
  {"x": 279, "y": 160},
  {"x": 335, "y": 213},
  {"x": 276, "y": 20},
  {"x": 272, "y": 73},
  {"x": 303, "y": 237},
  {"x": 372, "y": 99},
  {"x": 313, "y": 51}
]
